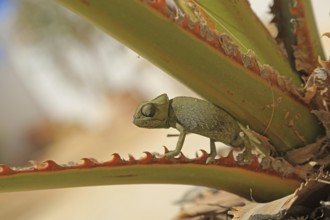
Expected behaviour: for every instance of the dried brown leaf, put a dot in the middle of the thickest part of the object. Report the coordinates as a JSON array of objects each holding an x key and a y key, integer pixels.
[
  {"x": 308, "y": 159},
  {"x": 272, "y": 210},
  {"x": 210, "y": 206},
  {"x": 317, "y": 89},
  {"x": 306, "y": 203}
]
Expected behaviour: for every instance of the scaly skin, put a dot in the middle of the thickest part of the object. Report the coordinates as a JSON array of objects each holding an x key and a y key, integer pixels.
[{"x": 189, "y": 115}]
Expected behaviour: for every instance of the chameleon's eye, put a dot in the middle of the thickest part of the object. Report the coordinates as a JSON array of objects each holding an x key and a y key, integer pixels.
[{"x": 148, "y": 110}]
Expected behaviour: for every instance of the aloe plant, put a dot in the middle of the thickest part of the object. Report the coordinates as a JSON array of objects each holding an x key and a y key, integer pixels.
[{"x": 222, "y": 51}]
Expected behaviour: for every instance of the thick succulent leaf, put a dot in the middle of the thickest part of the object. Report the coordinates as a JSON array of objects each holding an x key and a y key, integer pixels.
[
  {"x": 223, "y": 174},
  {"x": 245, "y": 29},
  {"x": 209, "y": 62},
  {"x": 297, "y": 31}
]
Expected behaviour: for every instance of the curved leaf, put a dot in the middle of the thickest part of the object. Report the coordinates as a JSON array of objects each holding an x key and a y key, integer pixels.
[
  {"x": 297, "y": 31},
  {"x": 209, "y": 63},
  {"x": 244, "y": 181},
  {"x": 245, "y": 29}
]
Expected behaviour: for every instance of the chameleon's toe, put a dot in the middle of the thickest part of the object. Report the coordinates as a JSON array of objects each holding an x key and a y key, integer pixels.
[
  {"x": 171, "y": 154},
  {"x": 210, "y": 158}
]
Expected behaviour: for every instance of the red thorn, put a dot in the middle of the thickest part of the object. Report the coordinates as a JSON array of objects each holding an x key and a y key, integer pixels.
[
  {"x": 88, "y": 162},
  {"x": 182, "y": 157},
  {"x": 149, "y": 158},
  {"x": 165, "y": 150},
  {"x": 229, "y": 160},
  {"x": 50, "y": 165},
  {"x": 115, "y": 161},
  {"x": 202, "y": 159},
  {"x": 131, "y": 159},
  {"x": 5, "y": 170}
]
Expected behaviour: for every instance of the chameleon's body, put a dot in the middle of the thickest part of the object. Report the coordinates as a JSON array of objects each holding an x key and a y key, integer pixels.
[
  {"x": 189, "y": 115},
  {"x": 203, "y": 118}
]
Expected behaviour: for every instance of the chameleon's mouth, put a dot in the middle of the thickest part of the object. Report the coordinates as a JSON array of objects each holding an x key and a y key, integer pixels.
[
  {"x": 148, "y": 123},
  {"x": 137, "y": 121}
]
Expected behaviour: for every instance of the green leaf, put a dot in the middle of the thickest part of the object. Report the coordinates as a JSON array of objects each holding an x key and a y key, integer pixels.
[
  {"x": 239, "y": 21},
  {"x": 209, "y": 64},
  {"x": 298, "y": 33},
  {"x": 241, "y": 181}
]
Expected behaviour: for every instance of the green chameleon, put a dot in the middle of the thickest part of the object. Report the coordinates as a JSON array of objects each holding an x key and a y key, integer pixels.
[{"x": 189, "y": 115}]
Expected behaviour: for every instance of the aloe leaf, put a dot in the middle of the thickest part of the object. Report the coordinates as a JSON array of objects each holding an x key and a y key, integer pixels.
[
  {"x": 298, "y": 33},
  {"x": 246, "y": 30},
  {"x": 256, "y": 95},
  {"x": 244, "y": 181}
]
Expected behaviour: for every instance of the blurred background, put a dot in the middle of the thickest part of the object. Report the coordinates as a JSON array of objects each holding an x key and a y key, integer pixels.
[{"x": 68, "y": 91}]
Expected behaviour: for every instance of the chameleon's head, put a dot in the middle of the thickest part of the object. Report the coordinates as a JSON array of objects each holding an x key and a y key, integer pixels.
[{"x": 153, "y": 114}]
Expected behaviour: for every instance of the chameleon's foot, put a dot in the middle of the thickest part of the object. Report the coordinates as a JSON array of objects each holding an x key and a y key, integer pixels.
[
  {"x": 245, "y": 157},
  {"x": 211, "y": 158},
  {"x": 171, "y": 154},
  {"x": 213, "y": 152}
]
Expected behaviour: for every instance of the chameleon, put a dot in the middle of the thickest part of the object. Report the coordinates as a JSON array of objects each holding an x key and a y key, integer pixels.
[{"x": 189, "y": 115}]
